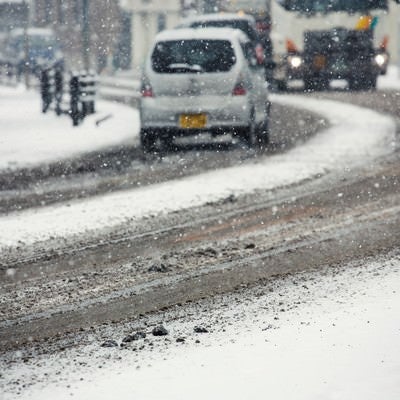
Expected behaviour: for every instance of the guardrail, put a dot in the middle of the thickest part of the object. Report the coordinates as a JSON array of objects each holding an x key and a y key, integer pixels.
[{"x": 125, "y": 89}]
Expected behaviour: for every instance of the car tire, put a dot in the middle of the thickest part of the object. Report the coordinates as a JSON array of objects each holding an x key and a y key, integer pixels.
[
  {"x": 263, "y": 129},
  {"x": 148, "y": 141},
  {"x": 263, "y": 135},
  {"x": 249, "y": 134},
  {"x": 356, "y": 83},
  {"x": 308, "y": 85},
  {"x": 316, "y": 84},
  {"x": 370, "y": 82},
  {"x": 281, "y": 85}
]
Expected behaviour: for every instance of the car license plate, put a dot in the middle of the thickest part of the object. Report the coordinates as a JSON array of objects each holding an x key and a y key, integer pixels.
[
  {"x": 320, "y": 62},
  {"x": 193, "y": 121}
]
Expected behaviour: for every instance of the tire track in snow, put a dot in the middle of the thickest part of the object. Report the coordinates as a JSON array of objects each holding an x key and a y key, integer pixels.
[{"x": 356, "y": 136}]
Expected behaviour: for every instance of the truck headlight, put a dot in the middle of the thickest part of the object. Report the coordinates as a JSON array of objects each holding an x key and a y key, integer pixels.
[
  {"x": 380, "y": 59},
  {"x": 295, "y": 61}
]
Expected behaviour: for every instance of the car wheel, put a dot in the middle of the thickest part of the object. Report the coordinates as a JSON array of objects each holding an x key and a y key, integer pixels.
[
  {"x": 370, "y": 82},
  {"x": 316, "y": 84},
  {"x": 282, "y": 85},
  {"x": 263, "y": 135},
  {"x": 373, "y": 82},
  {"x": 308, "y": 85},
  {"x": 148, "y": 141},
  {"x": 250, "y": 135},
  {"x": 356, "y": 83}
]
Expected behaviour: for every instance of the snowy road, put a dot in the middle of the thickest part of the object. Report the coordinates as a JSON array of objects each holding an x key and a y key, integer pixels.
[
  {"x": 290, "y": 257},
  {"x": 331, "y": 335},
  {"x": 356, "y": 136}
]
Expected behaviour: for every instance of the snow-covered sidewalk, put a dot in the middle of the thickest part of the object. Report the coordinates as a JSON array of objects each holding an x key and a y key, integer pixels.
[{"x": 29, "y": 138}]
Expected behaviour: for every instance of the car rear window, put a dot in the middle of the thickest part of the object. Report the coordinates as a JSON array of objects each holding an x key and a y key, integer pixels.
[{"x": 193, "y": 56}]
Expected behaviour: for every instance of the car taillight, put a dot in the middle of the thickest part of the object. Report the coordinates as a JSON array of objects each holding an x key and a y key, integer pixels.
[
  {"x": 147, "y": 91},
  {"x": 239, "y": 89}
]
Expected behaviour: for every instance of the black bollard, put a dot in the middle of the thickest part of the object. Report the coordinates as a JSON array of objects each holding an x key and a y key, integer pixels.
[
  {"x": 91, "y": 92},
  {"x": 74, "y": 91},
  {"x": 58, "y": 88},
  {"x": 45, "y": 90},
  {"x": 88, "y": 92},
  {"x": 83, "y": 79}
]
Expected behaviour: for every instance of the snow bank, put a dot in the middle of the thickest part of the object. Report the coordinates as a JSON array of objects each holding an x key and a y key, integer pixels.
[{"x": 30, "y": 138}]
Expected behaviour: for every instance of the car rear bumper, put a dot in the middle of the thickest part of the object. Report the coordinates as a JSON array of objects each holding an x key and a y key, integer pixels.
[
  {"x": 220, "y": 111},
  {"x": 343, "y": 71},
  {"x": 178, "y": 132}
]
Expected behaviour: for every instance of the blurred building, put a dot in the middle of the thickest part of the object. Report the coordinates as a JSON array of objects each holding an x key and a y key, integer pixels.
[
  {"x": 13, "y": 14},
  {"x": 394, "y": 32},
  {"x": 121, "y": 31},
  {"x": 65, "y": 17},
  {"x": 148, "y": 17}
]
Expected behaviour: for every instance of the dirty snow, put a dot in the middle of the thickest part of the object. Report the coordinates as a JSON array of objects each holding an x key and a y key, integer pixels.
[{"x": 330, "y": 335}]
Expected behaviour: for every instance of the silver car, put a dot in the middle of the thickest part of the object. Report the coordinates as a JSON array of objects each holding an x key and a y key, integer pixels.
[{"x": 203, "y": 80}]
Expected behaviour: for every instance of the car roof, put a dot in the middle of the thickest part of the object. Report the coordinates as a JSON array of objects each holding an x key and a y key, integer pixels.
[
  {"x": 206, "y": 33},
  {"x": 218, "y": 17}
]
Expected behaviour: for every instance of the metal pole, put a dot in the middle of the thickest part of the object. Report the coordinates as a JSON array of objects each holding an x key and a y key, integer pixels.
[
  {"x": 32, "y": 12},
  {"x": 396, "y": 10},
  {"x": 26, "y": 45},
  {"x": 85, "y": 35}
]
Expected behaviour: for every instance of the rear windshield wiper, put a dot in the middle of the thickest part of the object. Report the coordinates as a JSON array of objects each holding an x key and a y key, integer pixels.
[{"x": 184, "y": 67}]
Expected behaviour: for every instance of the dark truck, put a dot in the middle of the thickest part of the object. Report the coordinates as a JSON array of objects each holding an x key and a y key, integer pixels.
[
  {"x": 338, "y": 53},
  {"x": 347, "y": 52}
]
